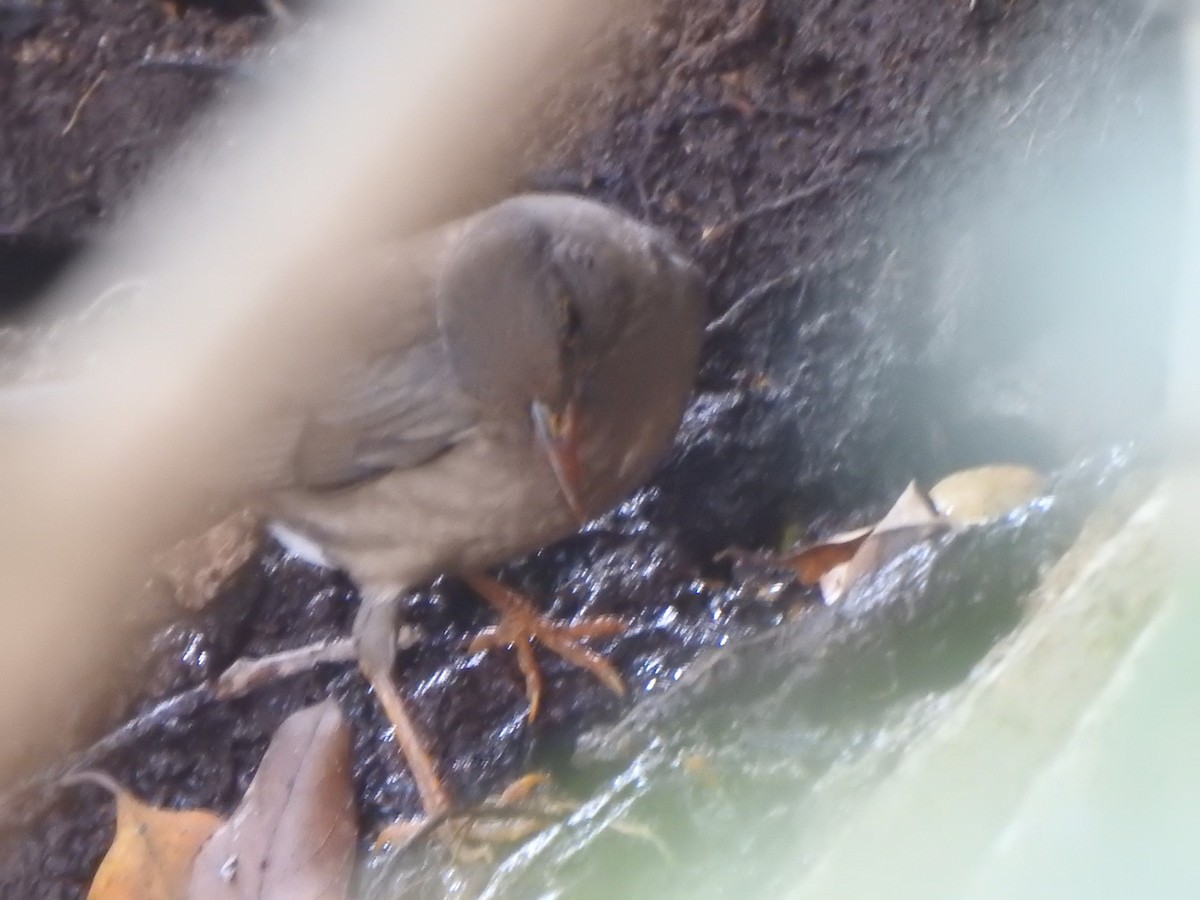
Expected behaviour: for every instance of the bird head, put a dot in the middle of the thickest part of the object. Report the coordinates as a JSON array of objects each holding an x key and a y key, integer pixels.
[{"x": 581, "y": 328}]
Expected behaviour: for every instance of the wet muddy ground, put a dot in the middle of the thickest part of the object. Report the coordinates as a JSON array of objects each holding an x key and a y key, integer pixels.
[{"x": 831, "y": 165}]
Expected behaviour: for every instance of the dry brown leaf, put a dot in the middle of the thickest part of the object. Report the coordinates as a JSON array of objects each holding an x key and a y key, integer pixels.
[
  {"x": 911, "y": 520},
  {"x": 964, "y": 498},
  {"x": 912, "y": 507},
  {"x": 294, "y": 834},
  {"x": 976, "y": 495},
  {"x": 153, "y": 850},
  {"x": 813, "y": 561},
  {"x": 833, "y": 582}
]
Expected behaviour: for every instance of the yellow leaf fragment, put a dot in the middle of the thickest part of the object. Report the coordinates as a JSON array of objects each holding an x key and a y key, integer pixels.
[
  {"x": 153, "y": 850},
  {"x": 976, "y": 495},
  {"x": 702, "y": 769}
]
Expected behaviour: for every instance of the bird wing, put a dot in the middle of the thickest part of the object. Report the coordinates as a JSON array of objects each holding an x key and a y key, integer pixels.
[{"x": 395, "y": 411}]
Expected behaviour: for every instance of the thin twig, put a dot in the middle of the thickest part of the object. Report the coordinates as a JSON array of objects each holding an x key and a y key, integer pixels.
[
  {"x": 87, "y": 95},
  {"x": 779, "y": 203},
  {"x": 740, "y": 307},
  {"x": 1020, "y": 110},
  {"x": 738, "y": 310}
]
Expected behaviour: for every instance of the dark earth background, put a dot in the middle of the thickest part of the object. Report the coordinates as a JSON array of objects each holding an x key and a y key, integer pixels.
[{"x": 834, "y": 168}]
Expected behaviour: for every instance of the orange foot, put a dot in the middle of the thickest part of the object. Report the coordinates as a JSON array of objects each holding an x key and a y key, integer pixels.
[{"x": 520, "y": 625}]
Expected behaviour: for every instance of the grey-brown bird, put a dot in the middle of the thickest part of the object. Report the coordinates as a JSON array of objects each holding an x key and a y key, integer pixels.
[{"x": 491, "y": 386}]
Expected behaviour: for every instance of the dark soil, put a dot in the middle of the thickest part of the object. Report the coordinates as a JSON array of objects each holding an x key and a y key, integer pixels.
[{"x": 815, "y": 156}]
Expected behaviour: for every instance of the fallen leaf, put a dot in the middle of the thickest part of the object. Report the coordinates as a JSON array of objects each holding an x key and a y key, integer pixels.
[
  {"x": 703, "y": 770},
  {"x": 964, "y": 498},
  {"x": 987, "y": 492},
  {"x": 293, "y": 836},
  {"x": 153, "y": 850},
  {"x": 913, "y": 507},
  {"x": 833, "y": 582},
  {"x": 812, "y": 562},
  {"x": 911, "y": 520}
]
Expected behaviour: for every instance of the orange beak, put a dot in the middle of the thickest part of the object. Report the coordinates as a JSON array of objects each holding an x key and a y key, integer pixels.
[{"x": 558, "y": 433}]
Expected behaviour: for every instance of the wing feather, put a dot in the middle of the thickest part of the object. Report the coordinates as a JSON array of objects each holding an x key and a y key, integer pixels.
[{"x": 397, "y": 411}]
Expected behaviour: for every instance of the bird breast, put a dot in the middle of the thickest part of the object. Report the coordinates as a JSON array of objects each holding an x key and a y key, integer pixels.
[{"x": 488, "y": 498}]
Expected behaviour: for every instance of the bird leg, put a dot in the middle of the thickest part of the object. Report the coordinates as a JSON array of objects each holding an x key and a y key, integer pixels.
[
  {"x": 520, "y": 625},
  {"x": 373, "y": 645}
]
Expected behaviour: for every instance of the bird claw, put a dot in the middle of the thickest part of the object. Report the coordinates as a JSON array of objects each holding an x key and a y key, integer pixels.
[
  {"x": 520, "y": 625},
  {"x": 525, "y": 807}
]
